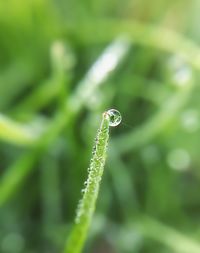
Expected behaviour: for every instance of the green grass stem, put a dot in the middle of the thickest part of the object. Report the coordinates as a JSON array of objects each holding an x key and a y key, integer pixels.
[{"x": 87, "y": 204}]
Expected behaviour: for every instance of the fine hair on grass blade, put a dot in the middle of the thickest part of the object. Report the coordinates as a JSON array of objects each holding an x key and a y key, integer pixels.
[{"x": 87, "y": 204}]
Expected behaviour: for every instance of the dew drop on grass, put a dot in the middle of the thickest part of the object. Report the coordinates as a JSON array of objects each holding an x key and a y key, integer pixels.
[{"x": 114, "y": 116}]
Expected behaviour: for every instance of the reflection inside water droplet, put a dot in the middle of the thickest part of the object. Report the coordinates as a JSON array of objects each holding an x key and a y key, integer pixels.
[{"x": 114, "y": 117}]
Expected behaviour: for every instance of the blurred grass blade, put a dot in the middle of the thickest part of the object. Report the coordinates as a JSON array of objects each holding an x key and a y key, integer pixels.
[
  {"x": 156, "y": 124},
  {"x": 20, "y": 134},
  {"x": 62, "y": 119},
  {"x": 100, "y": 71},
  {"x": 62, "y": 61},
  {"x": 176, "y": 241},
  {"x": 140, "y": 33}
]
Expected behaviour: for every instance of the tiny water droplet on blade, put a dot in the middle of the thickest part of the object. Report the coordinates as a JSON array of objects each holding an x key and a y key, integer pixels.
[{"x": 114, "y": 117}]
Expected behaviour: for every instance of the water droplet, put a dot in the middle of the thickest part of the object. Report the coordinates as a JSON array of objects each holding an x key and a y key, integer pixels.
[
  {"x": 114, "y": 116},
  {"x": 94, "y": 149}
]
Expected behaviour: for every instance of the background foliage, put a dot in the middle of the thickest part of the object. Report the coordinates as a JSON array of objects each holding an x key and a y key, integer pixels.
[{"x": 62, "y": 63}]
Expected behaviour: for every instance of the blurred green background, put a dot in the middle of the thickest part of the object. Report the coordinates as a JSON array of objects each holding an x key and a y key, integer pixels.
[{"x": 63, "y": 63}]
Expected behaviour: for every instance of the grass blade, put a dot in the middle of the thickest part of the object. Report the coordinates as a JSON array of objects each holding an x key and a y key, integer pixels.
[{"x": 87, "y": 204}]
